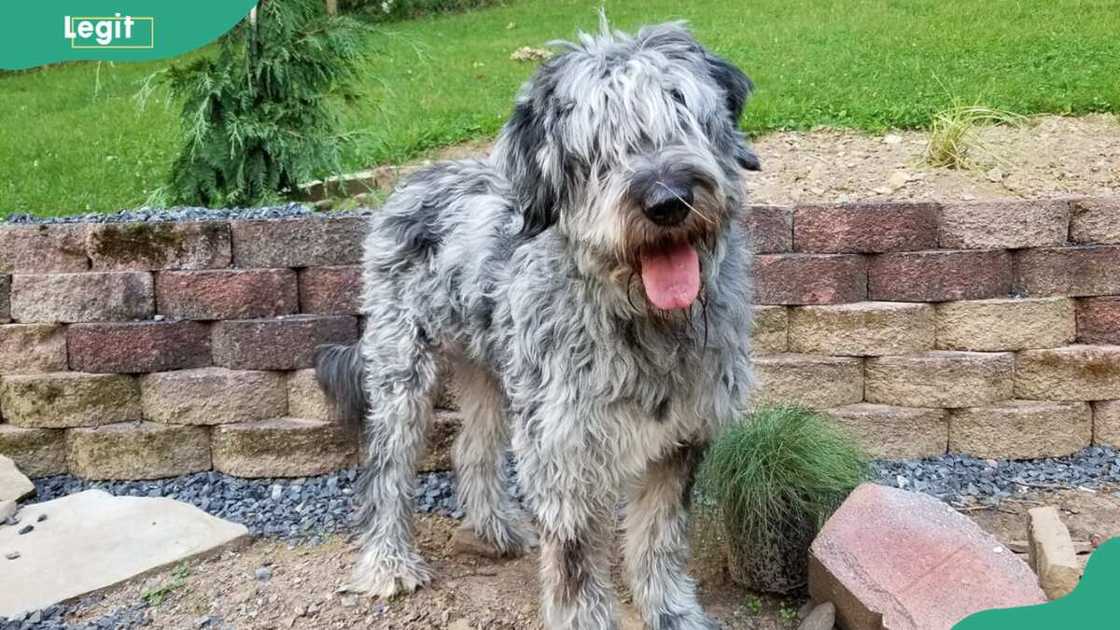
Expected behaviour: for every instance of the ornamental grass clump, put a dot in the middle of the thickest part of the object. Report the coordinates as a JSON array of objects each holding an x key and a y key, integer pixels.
[{"x": 774, "y": 479}]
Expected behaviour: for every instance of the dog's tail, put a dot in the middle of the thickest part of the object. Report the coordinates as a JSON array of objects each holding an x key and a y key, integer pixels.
[{"x": 340, "y": 371}]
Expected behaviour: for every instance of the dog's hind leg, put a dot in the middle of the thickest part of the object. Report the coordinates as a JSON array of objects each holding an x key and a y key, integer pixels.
[
  {"x": 480, "y": 456},
  {"x": 400, "y": 374},
  {"x": 656, "y": 545}
]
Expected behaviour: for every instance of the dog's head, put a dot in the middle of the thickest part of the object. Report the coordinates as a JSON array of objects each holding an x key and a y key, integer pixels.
[{"x": 630, "y": 147}]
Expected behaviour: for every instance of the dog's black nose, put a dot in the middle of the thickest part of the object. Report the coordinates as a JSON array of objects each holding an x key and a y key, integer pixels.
[{"x": 669, "y": 204}]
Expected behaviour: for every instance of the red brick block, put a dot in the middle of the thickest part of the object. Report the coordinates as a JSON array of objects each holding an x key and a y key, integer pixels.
[
  {"x": 136, "y": 347},
  {"x": 1010, "y": 224},
  {"x": 227, "y": 293},
  {"x": 5, "y": 299},
  {"x": 330, "y": 290},
  {"x": 1069, "y": 271},
  {"x": 770, "y": 229},
  {"x": 940, "y": 276},
  {"x": 166, "y": 245},
  {"x": 1095, "y": 221},
  {"x": 890, "y": 558},
  {"x": 42, "y": 248},
  {"x": 809, "y": 279},
  {"x": 317, "y": 242},
  {"x": 1098, "y": 320},
  {"x": 82, "y": 297},
  {"x": 278, "y": 344},
  {"x": 32, "y": 348},
  {"x": 865, "y": 227}
]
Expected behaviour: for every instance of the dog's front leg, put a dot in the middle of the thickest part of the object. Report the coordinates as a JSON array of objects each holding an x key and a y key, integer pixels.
[
  {"x": 574, "y": 502},
  {"x": 656, "y": 546},
  {"x": 575, "y": 573}
]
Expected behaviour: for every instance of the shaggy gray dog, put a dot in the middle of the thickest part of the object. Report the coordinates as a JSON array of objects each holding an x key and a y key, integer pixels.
[{"x": 588, "y": 284}]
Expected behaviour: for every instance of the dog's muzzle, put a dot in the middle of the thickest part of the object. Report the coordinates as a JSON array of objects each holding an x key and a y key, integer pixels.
[{"x": 668, "y": 203}]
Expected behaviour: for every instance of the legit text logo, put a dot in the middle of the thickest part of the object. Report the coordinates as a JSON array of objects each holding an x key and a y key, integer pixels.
[{"x": 111, "y": 32}]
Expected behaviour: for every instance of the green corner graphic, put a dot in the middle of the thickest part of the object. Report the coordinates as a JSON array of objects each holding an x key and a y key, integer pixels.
[
  {"x": 1090, "y": 606},
  {"x": 113, "y": 30}
]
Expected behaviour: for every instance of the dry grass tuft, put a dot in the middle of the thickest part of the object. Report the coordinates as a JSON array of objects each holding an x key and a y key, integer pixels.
[{"x": 952, "y": 138}]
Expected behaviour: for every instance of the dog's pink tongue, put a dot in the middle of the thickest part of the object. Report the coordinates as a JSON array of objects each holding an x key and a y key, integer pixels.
[{"x": 671, "y": 276}]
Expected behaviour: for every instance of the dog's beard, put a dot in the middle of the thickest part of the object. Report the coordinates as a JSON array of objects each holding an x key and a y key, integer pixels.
[{"x": 681, "y": 323}]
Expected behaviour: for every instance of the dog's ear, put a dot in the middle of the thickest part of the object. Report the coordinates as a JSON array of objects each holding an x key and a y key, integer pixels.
[
  {"x": 746, "y": 157},
  {"x": 536, "y": 196},
  {"x": 737, "y": 88},
  {"x": 736, "y": 85}
]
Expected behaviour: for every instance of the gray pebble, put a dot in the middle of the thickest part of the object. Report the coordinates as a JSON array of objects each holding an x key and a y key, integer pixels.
[
  {"x": 264, "y": 573},
  {"x": 26, "y": 529},
  {"x": 12, "y": 555},
  {"x": 821, "y": 617}
]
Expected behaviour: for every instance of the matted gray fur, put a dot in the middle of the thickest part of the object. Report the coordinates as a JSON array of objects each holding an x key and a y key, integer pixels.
[{"x": 523, "y": 271}]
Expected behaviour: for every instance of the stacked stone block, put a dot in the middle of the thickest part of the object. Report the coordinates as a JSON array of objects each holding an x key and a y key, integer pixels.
[
  {"x": 131, "y": 351},
  {"x": 147, "y": 350},
  {"x": 983, "y": 328}
]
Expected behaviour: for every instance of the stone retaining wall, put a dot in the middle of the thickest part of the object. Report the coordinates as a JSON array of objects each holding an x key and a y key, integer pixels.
[{"x": 153, "y": 349}]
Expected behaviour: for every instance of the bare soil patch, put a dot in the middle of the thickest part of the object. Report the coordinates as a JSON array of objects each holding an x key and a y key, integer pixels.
[
  {"x": 468, "y": 592},
  {"x": 1050, "y": 156},
  {"x": 1092, "y": 515}
]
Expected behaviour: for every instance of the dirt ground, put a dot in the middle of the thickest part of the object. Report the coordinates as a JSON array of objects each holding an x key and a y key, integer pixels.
[
  {"x": 469, "y": 592},
  {"x": 1092, "y": 516},
  {"x": 475, "y": 593},
  {"x": 1049, "y": 156}
]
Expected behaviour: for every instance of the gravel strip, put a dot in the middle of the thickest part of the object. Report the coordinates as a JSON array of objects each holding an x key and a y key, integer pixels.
[
  {"x": 304, "y": 508},
  {"x": 308, "y": 507},
  {"x": 291, "y": 210},
  {"x": 53, "y": 618},
  {"x": 963, "y": 481}
]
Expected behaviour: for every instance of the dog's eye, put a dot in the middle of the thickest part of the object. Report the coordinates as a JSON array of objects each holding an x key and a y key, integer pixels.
[{"x": 677, "y": 96}]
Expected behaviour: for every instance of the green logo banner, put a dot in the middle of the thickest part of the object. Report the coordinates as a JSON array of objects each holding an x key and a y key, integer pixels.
[
  {"x": 113, "y": 30},
  {"x": 1091, "y": 605}
]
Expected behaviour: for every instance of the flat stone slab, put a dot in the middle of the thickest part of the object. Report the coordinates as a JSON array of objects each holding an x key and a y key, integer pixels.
[
  {"x": 894, "y": 559},
  {"x": 1052, "y": 553},
  {"x": 14, "y": 485},
  {"x": 92, "y": 540}
]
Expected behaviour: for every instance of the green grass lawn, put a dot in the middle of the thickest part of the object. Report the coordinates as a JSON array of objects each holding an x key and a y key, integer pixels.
[{"x": 72, "y": 139}]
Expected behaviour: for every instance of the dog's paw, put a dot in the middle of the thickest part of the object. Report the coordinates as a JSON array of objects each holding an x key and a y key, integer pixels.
[
  {"x": 517, "y": 538},
  {"x": 387, "y": 579},
  {"x": 690, "y": 620},
  {"x": 497, "y": 541}
]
